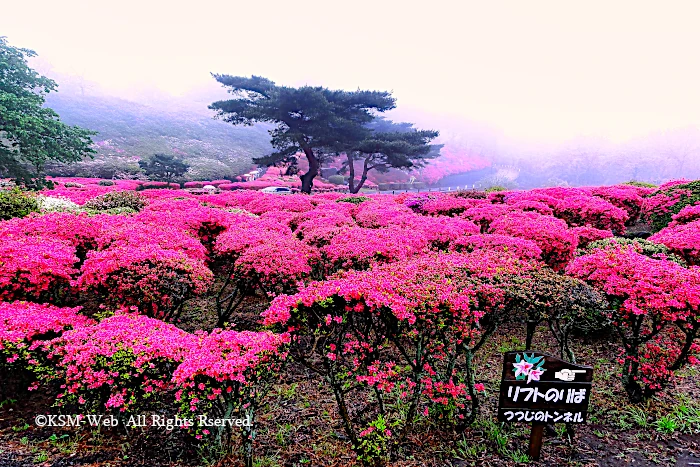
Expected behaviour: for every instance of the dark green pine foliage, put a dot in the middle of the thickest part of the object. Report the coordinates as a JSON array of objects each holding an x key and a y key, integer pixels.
[
  {"x": 30, "y": 134},
  {"x": 164, "y": 167},
  {"x": 389, "y": 145},
  {"x": 316, "y": 121}
]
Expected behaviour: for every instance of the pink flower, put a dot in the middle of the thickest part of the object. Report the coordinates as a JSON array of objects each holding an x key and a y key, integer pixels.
[
  {"x": 522, "y": 368},
  {"x": 534, "y": 374}
]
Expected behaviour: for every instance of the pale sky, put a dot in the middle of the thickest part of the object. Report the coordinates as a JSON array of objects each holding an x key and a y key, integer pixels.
[{"x": 542, "y": 70}]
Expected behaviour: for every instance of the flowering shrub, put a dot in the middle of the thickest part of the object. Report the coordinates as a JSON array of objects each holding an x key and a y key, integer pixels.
[
  {"x": 579, "y": 211},
  {"x": 627, "y": 197},
  {"x": 392, "y": 331},
  {"x": 35, "y": 268},
  {"x": 446, "y": 205},
  {"x": 79, "y": 193},
  {"x": 56, "y": 204},
  {"x": 116, "y": 199},
  {"x": 590, "y": 234},
  {"x": 441, "y": 231},
  {"x": 683, "y": 240},
  {"x": 155, "y": 280},
  {"x": 358, "y": 248},
  {"x": 132, "y": 233},
  {"x": 556, "y": 241},
  {"x": 520, "y": 247},
  {"x": 648, "y": 296},
  {"x": 259, "y": 257},
  {"x": 484, "y": 214},
  {"x": 228, "y": 373},
  {"x": 77, "y": 229},
  {"x": 25, "y": 327},
  {"x": 686, "y": 215},
  {"x": 119, "y": 363},
  {"x": 531, "y": 205}
]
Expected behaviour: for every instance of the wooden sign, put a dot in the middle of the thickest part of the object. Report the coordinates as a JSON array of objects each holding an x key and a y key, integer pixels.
[{"x": 539, "y": 388}]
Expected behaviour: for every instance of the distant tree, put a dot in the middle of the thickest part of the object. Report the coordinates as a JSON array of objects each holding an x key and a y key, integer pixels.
[
  {"x": 30, "y": 134},
  {"x": 389, "y": 145},
  {"x": 164, "y": 167},
  {"x": 313, "y": 120}
]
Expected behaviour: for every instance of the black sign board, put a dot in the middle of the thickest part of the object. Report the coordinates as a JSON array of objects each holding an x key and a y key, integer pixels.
[{"x": 539, "y": 388}]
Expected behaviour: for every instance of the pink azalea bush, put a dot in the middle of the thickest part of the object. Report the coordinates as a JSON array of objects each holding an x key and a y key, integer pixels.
[
  {"x": 393, "y": 330},
  {"x": 627, "y": 197},
  {"x": 35, "y": 268},
  {"x": 651, "y": 297},
  {"x": 686, "y": 215},
  {"x": 119, "y": 363},
  {"x": 358, "y": 248},
  {"x": 79, "y": 230},
  {"x": 681, "y": 239},
  {"x": 155, "y": 280},
  {"x": 580, "y": 211},
  {"x": 226, "y": 374},
  {"x": 522, "y": 248},
  {"x": 25, "y": 327},
  {"x": 260, "y": 256},
  {"x": 551, "y": 235}
]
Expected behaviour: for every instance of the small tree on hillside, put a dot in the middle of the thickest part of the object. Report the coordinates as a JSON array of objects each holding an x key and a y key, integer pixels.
[
  {"x": 31, "y": 134},
  {"x": 313, "y": 120},
  {"x": 390, "y": 145},
  {"x": 164, "y": 167}
]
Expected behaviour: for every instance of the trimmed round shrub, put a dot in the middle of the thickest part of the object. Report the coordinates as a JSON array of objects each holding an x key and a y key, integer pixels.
[
  {"x": 155, "y": 280},
  {"x": 337, "y": 179},
  {"x": 106, "y": 183},
  {"x": 116, "y": 200},
  {"x": 353, "y": 199},
  {"x": 15, "y": 203}
]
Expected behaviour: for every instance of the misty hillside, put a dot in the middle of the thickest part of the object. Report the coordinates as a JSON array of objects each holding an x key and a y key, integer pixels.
[
  {"x": 128, "y": 131},
  {"x": 473, "y": 154}
]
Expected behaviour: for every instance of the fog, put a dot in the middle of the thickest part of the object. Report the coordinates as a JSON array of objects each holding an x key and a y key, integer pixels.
[{"x": 513, "y": 81}]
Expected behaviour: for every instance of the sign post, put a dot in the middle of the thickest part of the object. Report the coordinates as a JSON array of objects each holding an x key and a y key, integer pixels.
[{"x": 539, "y": 388}]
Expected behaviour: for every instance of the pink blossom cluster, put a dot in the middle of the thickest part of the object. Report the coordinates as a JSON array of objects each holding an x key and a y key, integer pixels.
[
  {"x": 588, "y": 234},
  {"x": 118, "y": 362},
  {"x": 228, "y": 366},
  {"x": 551, "y": 235},
  {"x": 580, "y": 211},
  {"x": 627, "y": 197},
  {"x": 656, "y": 301},
  {"x": 155, "y": 279},
  {"x": 520, "y": 247},
  {"x": 122, "y": 361},
  {"x": 358, "y": 247},
  {"x": 681, "y": 239},
  {"x": 26, "y": 324},
  {"x": 79, "y": 230},
  {"x": 446, "y": 205},
  {"x": 434, "y": 304},
  {"x": 35, "y": 267},
  {"x": 686, "y": 215}
]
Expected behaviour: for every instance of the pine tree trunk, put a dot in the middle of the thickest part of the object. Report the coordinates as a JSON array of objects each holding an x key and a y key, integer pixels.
[
  {"x": 307, "y": 180},
  {"x": 363, "y": 179}
]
